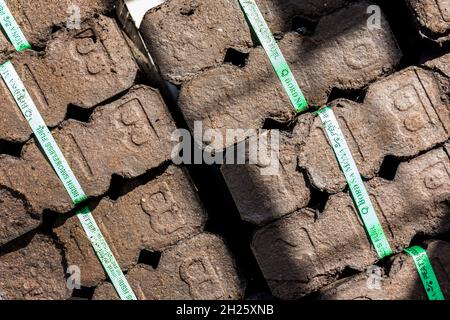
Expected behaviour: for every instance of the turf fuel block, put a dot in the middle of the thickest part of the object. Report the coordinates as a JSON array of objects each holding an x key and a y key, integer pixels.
[
  {"x": 185, "y": 37},
  {"x": 281, "y": 15},
  {"x": 151, "y": 217},
  {"x": 81, "y": 68},
  {"x": 265, "y": 196},
  {"x": 342, "y": 53},
  {"x": 119, "y": 139},
  {"x": 200, "y": 268},
  {"x": 16, "y": 218},
  {"x": 402, "y": 281},
  {"x": 433, "y": 18},
  {"x": 33, "y": 270},
  {"x": 402, "y": 116},
  {"x": 39, "y": 18},
  {"x": 316, "y": 249}
]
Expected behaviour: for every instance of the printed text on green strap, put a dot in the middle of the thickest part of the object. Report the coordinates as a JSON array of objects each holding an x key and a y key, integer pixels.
[
  {"x": 358, "y": 190},
  {"x": 426, "y": 273},
  {"x": 12, "y": 29},
  {"x": 276, "y": 57},
  {"x": 67, "y": 177}
]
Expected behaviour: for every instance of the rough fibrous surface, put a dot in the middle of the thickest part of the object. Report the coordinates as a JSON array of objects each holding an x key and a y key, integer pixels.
[
  {"x": 37, "y": 18},
  {"x": 120, "y": 138},
  {"x": 200, "y": 268},
  {"x": 261, "y": 197},
  {"x": 343, "y": 53},
  {"x": 401, "y": 116},
  {"x": 314, "y": 250},
  {"x": 152, "y": 217},
  {"x": 280, "y": 15},
  {"x": 180, "y": 239},
  {"x": 402, "y": 282},
  {"x": 16, "y": 218},
  {"x": 97, "y": 53},
  {"x": 34, "y": 271},
  {"x": 433, "y": 17},
  {"x": 189, "y": 36}
]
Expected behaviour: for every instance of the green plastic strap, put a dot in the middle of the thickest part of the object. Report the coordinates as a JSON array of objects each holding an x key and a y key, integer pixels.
[
  {"x": 12, "y": 29},
  {"x": 276, "y": 57},
  {"x": 65, "y": 173},
  {"x": 358, "y": 190},
  {"x": 426, "y": 272}
]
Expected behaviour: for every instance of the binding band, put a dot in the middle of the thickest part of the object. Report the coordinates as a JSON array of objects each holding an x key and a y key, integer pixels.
[
  {"x": 56, "y": 158},
  {"x": 12, "y": 29},
  {"x": 281, "y": 67},
  {"x": 426, "y": 272},
  {"x": 358, "y": 190}
]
